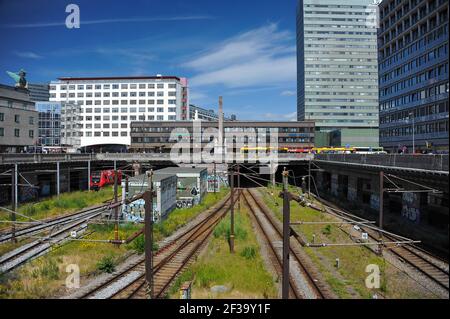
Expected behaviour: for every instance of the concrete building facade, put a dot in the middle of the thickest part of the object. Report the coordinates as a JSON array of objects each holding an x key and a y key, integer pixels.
[
  {"x": 337, "y": 68},
  {"x": 109, "y": 104},
  {"x": 18, "y": 120},
  {"x": 156, "y": 137},
  {"x": 39, "y": 92},
  {"x": 414, "y": 84}
]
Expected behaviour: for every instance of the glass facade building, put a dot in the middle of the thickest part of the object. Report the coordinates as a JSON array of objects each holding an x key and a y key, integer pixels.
[
  {"x": 337, "y": 67},
  {"x": 414, "y": 85},
  {"x": 49, "y": 123}
]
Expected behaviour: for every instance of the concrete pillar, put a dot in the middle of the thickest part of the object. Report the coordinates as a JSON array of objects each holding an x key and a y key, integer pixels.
[
  {"x": 273, "y": 171},
  {"x": 68, "y": 177},
  {"x": 334, "y": 184},
  {"x": 352, "y": 187},
  {"x": 318, "y": 177},
  {"x": 137, "y": 169},
  {"x": 57, "y": 179},
  {"x": 89, "y": 175}
]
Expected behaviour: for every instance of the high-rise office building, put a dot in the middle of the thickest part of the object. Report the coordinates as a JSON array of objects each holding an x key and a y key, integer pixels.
[
  {"x": 413, "y": 57},
  {"x": 337, "y": 68},
  {"x": 109, "y": 104}
]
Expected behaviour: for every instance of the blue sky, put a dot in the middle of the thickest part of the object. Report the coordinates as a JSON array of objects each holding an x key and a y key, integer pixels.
[{"x": 242, "y": 50}]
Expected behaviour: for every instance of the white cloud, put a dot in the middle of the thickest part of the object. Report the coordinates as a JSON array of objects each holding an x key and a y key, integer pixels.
[
  {"x": 285, "y": 117},
  {"x": 288, "y": 93},
  {"x": 197, "y": 96},
  {"x": 103, "y": 21},
  {"x": 258, "y": 57},
  {"x": 27, "y": 55}
]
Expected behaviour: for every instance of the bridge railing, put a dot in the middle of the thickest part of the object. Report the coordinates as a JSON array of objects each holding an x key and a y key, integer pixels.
[
  {"x": 12, "y": 158},
  {"x": 418, "y": 161}
]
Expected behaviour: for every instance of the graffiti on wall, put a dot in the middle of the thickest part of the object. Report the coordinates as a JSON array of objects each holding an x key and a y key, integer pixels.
[{"x": 411, "y": 207}]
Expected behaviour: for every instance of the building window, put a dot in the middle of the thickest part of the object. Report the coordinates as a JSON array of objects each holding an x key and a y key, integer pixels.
[
  {"x": 17, "y": 118},
  {"x": 16, "y": 132},
  {"x": 160, "y": 86},
  {"x": 31, "y": 122},
  {"x": 2, "y": 117},
  {"x": 31, "y": 133},
  {"x": 123, "y": 133}
]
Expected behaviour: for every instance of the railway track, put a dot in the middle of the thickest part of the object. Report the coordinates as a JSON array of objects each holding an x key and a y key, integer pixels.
[
  {"x": 50, "y": 223},
  {"x": 310, "y": 286},
  {"x": 58, "y": 232},
  {"x": 168, "y": 262},
  {"x": 431, "y": 266}
]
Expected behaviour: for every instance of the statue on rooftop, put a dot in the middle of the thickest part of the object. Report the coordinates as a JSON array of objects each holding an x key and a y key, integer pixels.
[{"x": 19, "y": 78}]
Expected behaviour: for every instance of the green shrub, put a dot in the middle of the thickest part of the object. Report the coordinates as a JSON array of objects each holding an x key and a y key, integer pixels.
[
  {"x": 106, "y": 264},
  {"x": 206, "y": 275},
  {"x": 139, "y": 244},
  {"x": 248, "y": 253},
  {"x": 326, "y": 230}
]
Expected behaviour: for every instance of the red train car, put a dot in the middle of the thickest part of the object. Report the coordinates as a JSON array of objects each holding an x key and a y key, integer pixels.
[
  {"x": 299, "y": 150},
  {"x": 102, "y": 178}
]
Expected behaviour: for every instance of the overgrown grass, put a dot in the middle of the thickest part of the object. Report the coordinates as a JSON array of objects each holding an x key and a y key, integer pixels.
[
  {"x": 243, "y": 272},
  {"x": 180, "y": 216},
  {"x": 353, "y": 259},
  {"x": 45, "y": 276},
  {"x": 64, "y": 204}
]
